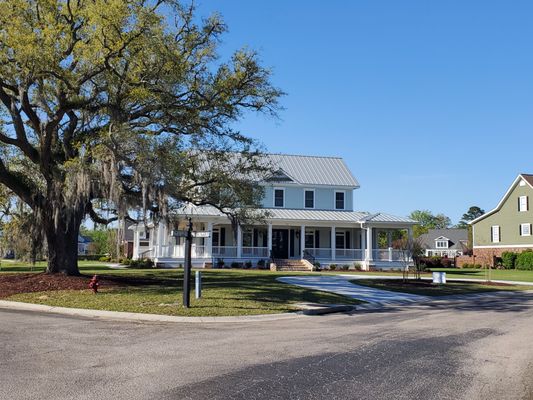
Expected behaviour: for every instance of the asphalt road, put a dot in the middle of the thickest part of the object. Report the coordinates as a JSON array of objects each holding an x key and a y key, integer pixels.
[{"x": 448, "y": 350}]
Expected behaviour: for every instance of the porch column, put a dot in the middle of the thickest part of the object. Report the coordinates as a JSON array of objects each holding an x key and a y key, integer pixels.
[
  {"x": 269, "y": 240},
  {"x": 369, "y": 244},
  {"x": 209, "y": 241},
  {"x": 239, "y": 241},
  {"x": 302, "y": 241},
  {"x": 136, "y": 244},
  {"x": 333, "y": 247},
  {"x": 363, "y": 243},
  {"x": 389, "y": 238},
  {"x": 159, "y": 242}
]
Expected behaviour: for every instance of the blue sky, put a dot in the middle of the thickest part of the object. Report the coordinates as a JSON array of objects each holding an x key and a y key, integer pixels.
[{"x": 430, "y": 103}]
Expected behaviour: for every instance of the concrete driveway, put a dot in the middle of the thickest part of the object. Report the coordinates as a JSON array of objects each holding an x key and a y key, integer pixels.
[
  {"x": 341, "y": 284},
  {"x": 457, "y": 350}
]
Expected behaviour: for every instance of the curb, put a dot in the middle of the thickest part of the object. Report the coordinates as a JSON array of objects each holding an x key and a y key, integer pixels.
[{"x": 139, "y": 317}]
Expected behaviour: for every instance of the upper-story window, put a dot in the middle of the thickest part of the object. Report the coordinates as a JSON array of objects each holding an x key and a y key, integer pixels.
[
  {"x": 309, "y": 198},
  {"x": 339, "y": 200},
  {"x": 495, "y": 233},
  {"x": 441, "y": 244},
  {"x": 522, "y": 203},
  {"x": 525, "y": 229},
  {"x": 279, "y": 197}
]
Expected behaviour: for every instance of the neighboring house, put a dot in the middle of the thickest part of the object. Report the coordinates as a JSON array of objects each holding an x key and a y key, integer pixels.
[
  {"x": 311, "y": 219},
  {"x": 508, "y": 226},
  {"x": 445, "y": 242},
  {"x": 84, "y": 243}
]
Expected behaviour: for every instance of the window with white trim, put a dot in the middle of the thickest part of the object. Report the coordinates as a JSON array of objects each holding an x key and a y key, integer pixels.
[
  {"x": 441, "y": 244},
  {"x": 522, "y": 203},
  {"x": 309, "y": 198},
  {"x": 525, "y": 229},
  {"x": 495, "y": 233},
  {"x": 339, "y": 200},
  {"x": 279, "y": 197}
]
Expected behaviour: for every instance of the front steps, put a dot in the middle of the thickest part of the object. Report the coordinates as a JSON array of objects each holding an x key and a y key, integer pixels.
[{"x": 291, "y": 265}]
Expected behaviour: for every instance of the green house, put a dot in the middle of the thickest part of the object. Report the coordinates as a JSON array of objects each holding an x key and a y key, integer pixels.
[{"x": 508, "y": 227}]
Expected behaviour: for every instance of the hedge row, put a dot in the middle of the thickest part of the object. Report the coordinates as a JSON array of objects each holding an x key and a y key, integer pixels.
[{"x": 523, "y": 261}]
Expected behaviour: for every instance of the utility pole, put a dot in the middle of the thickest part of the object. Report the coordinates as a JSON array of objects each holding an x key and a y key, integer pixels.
[{"x": 187, "y": 267}]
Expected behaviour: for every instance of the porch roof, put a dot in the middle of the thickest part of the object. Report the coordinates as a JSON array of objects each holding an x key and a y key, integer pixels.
[{"x": 287, "y": 214}]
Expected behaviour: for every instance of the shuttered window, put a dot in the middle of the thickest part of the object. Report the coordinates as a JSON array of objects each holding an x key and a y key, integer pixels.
[
  {"x": 523, "y": 203},
  {"x": 525, "y": 229},
  {"x": 495, "y": 234}
]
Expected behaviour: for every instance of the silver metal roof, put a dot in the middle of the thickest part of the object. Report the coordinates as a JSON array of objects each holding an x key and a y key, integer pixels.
[
  {"x": 285, "y": 214},
  {"x": 315, "y": 170}
]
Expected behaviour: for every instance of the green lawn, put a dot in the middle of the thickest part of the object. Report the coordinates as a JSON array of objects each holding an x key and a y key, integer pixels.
[
  {"x": 426, "y": 288},
  {"x": 496, "y": 274},
  {"x": 225, "y": 293},
  {"x": 12, "y": 266}
]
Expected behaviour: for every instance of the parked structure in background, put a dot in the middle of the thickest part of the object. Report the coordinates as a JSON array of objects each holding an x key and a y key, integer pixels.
[
  {"x": 449, "y": 243},
  {"x": 311, "y": 219},
  {"x": 508, "y": 226}
]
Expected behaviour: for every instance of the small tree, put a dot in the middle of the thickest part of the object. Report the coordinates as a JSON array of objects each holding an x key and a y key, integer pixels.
[{"x": 410, "y": 251}]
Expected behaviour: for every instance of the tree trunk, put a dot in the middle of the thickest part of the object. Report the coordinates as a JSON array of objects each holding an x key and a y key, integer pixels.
[{"x": 61, "y": 227}]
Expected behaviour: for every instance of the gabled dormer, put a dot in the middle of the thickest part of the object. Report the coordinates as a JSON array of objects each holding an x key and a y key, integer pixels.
[{"x": 442, "y": 242}]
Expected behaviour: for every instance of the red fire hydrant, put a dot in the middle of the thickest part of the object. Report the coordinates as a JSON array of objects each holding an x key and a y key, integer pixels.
[{"x": 93, "y": 284}]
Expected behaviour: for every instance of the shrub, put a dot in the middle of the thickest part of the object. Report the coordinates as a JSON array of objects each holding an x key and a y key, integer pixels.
[
  {"x": 524, "y": 260},
  {"x": 220, "y": 263},
  {"x": 345, "y": 267},
  {"x": 261, "y": 264},
  {"x": 477, "y": 266},
  {"x": 333, "y": 267},
  {"x": 248, "y": 264},
  {"x": 446, "y": 262},
  {"x": 141, "y": 264},
  {"x": 509, "y": 259},
  {"x": 235, "y": 264},
  {"x": 317, "y": 266},
  {"x": 357, "y": 266},
  {"x": 105, "y": 259}
]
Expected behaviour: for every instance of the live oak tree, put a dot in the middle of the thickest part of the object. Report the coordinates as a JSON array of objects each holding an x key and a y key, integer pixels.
[{"x": 108, "y": 106}]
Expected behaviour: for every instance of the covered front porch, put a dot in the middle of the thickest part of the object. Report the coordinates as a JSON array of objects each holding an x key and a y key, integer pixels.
[{"x": 367, "y": 245}]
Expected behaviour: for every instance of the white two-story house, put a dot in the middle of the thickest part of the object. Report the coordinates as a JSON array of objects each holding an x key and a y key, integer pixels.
[{"x": 311, "y": 219}]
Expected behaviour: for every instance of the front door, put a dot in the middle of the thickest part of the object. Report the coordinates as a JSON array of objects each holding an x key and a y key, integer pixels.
[{"x": 280, "y": 243}]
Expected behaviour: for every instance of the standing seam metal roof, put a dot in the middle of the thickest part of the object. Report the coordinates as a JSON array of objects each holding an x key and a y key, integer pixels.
[{"x": 314, "y": 170}]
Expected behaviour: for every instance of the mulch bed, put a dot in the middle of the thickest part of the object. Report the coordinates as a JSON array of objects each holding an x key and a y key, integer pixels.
[{"x": 11, "y": 284}]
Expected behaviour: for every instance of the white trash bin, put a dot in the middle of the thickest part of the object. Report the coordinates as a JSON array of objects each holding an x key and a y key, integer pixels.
[{"x": 439, "y": 277}]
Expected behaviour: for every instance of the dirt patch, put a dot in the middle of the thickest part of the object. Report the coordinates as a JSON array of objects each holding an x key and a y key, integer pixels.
[{"x": 28, "y": 283}]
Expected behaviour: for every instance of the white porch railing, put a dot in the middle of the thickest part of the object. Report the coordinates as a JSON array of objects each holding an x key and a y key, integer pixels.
[
  {"x": 349, "y": 254},
  {"x": 320, "y": 253},
  {"x": 255, "y": 252},
  {"x": 224, "y": 251},
  {"x": 389, "y": 254}
]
